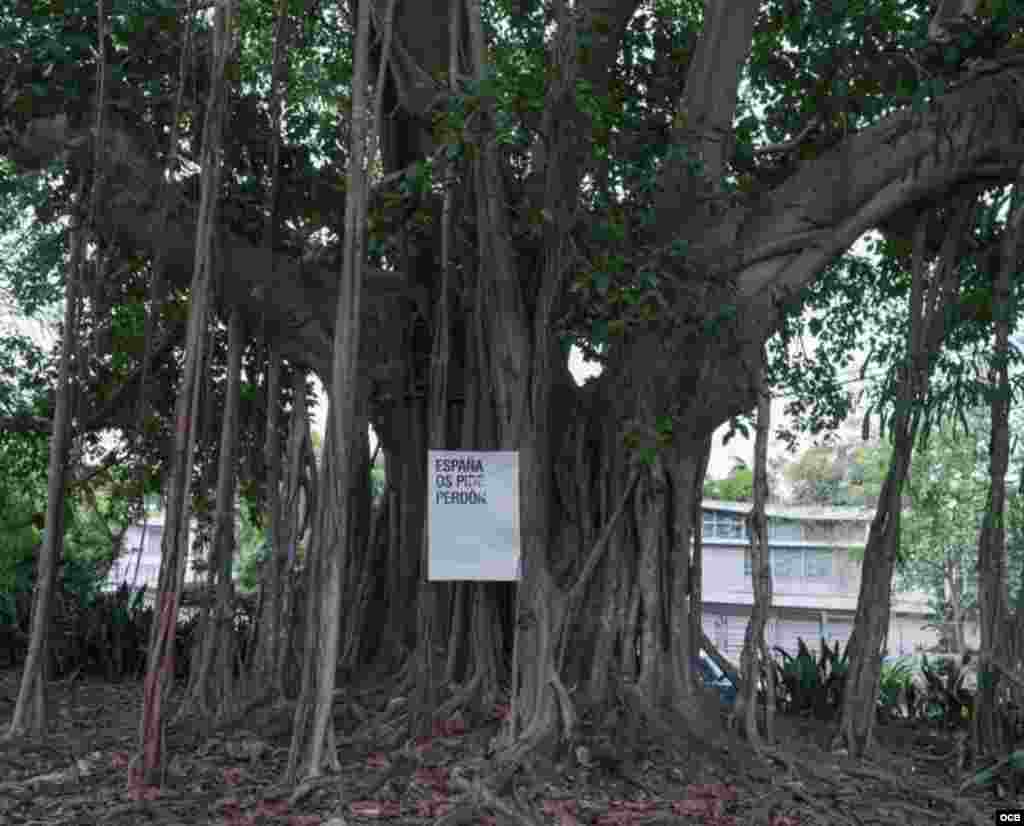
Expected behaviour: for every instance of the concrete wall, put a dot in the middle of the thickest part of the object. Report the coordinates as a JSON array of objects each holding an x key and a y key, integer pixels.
[
  {"x": 139, "y": 563},
  {"x": 808, "y": 603},
  {"x": 141, "y": 554},
  {"x": 725, "y": 625}
]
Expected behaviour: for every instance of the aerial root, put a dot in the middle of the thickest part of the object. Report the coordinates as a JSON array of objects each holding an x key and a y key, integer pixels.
[{"x": 481, "y": 796}]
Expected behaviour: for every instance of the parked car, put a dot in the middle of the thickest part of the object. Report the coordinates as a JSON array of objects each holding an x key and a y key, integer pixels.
[{"x": 714, "y": 678}]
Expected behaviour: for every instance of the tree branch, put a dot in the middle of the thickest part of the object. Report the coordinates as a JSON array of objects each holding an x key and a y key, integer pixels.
[
  {"x": 23, "y": 423},
  {"x": 790, "y": 145}
]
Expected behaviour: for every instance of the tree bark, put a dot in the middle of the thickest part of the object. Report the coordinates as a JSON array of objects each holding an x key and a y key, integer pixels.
[
  {"x": 30, "y": 709},
  {"x": 212, "y": 689},
  {"x": 347, "y": 422},
  {"x": 174, "y": 552},
  {"x": 297, "y": 509},
  {"x": 314, "y": 580},
  {"x": 265, "y": 657},
  {"x": 992, "y": 540},
  {"x": 755, "y": 659},
  {"x": 930, "y": 294}
]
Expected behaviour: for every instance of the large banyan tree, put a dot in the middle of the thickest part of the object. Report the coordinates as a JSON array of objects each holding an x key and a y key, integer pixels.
[{"x": 657, "y": 181}]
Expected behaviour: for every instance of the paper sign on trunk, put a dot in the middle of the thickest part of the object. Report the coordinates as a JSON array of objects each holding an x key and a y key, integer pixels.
[{"x": 473, "y": 515}]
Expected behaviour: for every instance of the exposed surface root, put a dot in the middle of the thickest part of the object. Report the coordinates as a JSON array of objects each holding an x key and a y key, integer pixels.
[{"x": 632, "y": 764}]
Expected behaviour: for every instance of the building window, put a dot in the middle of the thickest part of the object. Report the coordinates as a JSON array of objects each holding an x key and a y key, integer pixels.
[
  {"x": 787, "y": 562},
  {"x": 819, "y": 564},
  {"x": 796, "y": 562},
  {"x": 724, "y": 525},
  {"x": 784, "y": 530}
]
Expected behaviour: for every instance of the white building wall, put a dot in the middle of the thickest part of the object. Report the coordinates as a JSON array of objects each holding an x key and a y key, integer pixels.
[
  {"x": 804, "y": 606},
  {"x": 139, "y": 564}
]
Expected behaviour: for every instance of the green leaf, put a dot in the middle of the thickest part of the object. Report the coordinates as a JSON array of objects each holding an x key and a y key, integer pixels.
[{"x": 648, "y": 280}]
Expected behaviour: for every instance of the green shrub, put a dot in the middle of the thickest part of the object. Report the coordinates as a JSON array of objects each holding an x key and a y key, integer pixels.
[
  {"x": 895, "y": 685},
  {"x": 809, "y": 684},
  {"x": 946, "y": 699}
]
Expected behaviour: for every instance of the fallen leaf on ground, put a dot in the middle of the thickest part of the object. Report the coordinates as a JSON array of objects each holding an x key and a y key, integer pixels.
[
  {"x": 721, "y": 791},
  {"x": 377, "y": 760},
  {"x": 375, "y": 808},
  {"x": 697, "y": 806},
  {"x": 638, "y": 806},
  {"x": 435, "y": 777},
  {"x": 449, "y": 728},
  {"x": 232, "y": 776},
  {"x": 272, "y": 808}
]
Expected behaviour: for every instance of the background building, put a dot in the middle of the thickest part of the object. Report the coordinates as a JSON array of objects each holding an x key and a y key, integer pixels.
[
  {"x": 139, "y": 564},
  {"x": 816, "y": 557}
]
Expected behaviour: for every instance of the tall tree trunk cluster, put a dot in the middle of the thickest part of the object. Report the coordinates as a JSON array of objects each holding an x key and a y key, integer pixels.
[
  {"x": 608, "y": 611},
  {"x": 30, "y": 707},
  {"x": 611, "y": 526},
  {"x": 934, "y": 284},
  {"x": 996, "y": 645},
  {"x": 174, "y": 552}
]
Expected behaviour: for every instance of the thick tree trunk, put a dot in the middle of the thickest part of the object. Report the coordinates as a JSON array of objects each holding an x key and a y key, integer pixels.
[
  {"x": 324, "y": 542},
  {"x": 360, "y": 554},
  {"x": 755, "y": 660},
  {"x": 932, "y": 287},
  {"x": 30, "y": 709},
  {"x": 367, "y": 615},
  {"x": 212, "y": 688},
  {"x": 298, "y": 509},
  {"x": 514, "y": 360},
  {"x": 174, "y": 552},
  {"x": 266, "y": 648},
  {"x": 871, "y": 621},
  {"x": 264, "y": 659},
  {"x": 691, "y": 462},
  {"x": 992, "y": 541},
  {"x": 346, "y": 423}
]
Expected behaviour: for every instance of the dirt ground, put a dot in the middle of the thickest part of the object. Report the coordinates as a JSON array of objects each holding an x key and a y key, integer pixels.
[{"x": 78, "y": 775}]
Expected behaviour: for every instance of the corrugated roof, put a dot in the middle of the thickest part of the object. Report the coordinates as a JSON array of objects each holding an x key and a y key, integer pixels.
[{"x": 806, "y": 512}]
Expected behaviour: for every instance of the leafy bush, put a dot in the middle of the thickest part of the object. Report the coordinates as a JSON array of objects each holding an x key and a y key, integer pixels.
[
  {"x": 1012, "y": 764},
  {"x": 114, "y": 633},
  {"x": 946, "y": 698},
  {"x": 895, "y": 686},
  {"x": 253, "y": 549},
  {"x": 811, "y": 685}
]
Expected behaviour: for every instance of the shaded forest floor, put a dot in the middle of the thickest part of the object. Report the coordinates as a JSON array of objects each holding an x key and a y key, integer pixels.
[{"x": 231, "y": 776}]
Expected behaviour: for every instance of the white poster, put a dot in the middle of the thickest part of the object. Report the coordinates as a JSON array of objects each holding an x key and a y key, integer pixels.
[{"x": 473, "y": 515}]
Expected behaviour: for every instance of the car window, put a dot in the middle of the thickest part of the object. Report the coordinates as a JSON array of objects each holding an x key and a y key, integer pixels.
[{"x": 710, "y": 668}]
